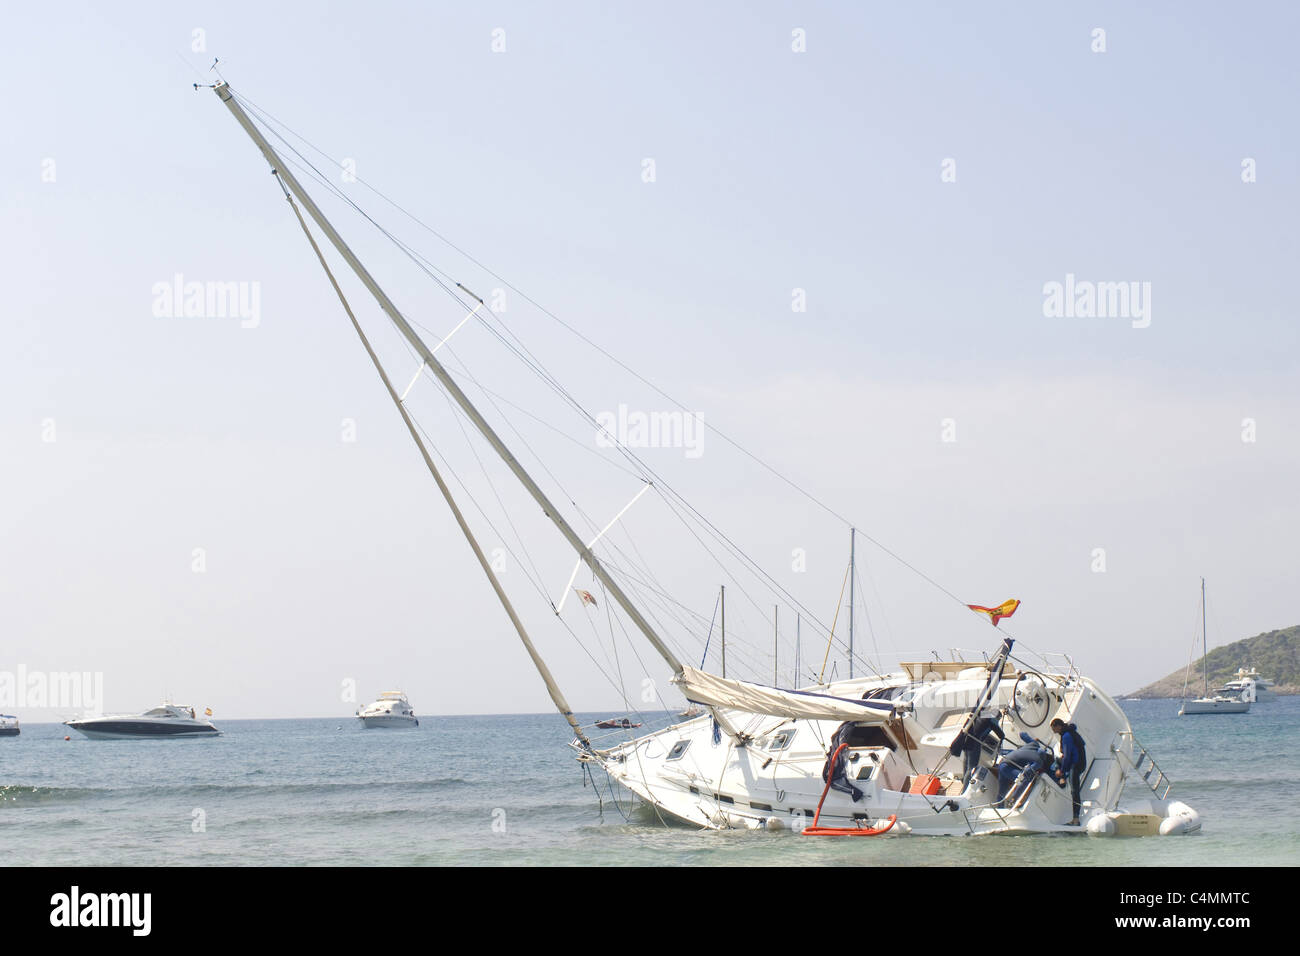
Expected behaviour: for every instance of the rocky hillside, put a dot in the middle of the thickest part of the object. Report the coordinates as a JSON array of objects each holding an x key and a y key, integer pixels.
[{"x": 1275, "y": 654}]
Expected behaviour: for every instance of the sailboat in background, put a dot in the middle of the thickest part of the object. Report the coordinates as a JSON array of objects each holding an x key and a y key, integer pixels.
[
  {"x": 1219, "y": 703},
  {"x": 871, "y": 754}
]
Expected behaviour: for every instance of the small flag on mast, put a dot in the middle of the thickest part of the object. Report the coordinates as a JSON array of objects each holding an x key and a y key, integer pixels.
[
  {"x": 586, "y": 597},
  {"x": 1005, "y": 609},
  {"x": 207, "y": 711}
]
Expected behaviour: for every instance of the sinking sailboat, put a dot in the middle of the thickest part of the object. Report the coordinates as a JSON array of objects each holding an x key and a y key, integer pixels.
[{"x": 870, "y": 755}]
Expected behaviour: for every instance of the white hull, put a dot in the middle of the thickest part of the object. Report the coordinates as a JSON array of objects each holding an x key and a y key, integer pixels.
[
  {"x": 390, "y": 720},
  {"x": 145, "y": 734},
  {"x": 117, "y": 728},
  {"x": 1214, "y": 705},
  {"x": 682, "y": 772}
]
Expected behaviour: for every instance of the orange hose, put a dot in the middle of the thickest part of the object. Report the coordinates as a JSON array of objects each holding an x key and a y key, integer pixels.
[{"x": 816, "y": 830}]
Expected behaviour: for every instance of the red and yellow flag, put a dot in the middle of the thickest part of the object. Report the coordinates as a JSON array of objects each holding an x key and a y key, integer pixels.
[{"x": 1005, "y": 609}]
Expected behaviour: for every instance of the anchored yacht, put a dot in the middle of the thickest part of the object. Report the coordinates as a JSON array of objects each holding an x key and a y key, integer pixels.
[
  {"x": 166, "y": 720},
  {"x": 392, "y": 709},
  {"x": 1247, "y": 685},
  {"x": 1218, "y": 703}
]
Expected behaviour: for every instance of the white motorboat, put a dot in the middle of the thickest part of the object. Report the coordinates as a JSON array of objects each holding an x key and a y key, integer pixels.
[
  {"x": 1247, "y": 685},
  {"x": 164, "y": 721},
  {"x": 859, "y": 757},
  {"x": 1211, "y": 703},
  {"x": 9, "y": 726},
  {"x": 392, "y": 709}
]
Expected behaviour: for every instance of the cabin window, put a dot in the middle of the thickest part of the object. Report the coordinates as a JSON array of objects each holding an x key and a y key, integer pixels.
[
  {"x": 679, "y": 748},
  {"x": 900, "y": 692},
  {"x": 781, "y": 740}
]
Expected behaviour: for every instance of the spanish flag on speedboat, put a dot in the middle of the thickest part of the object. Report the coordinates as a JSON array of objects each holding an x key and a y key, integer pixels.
[{"x": 1005, "y": 609}]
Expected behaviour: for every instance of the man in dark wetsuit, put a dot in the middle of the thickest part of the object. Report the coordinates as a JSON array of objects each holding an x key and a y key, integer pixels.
[
  {"x": 1032, "y": 757},
  {"x": 1073, "y": 761},
  {"x": 984, "y": 734}
]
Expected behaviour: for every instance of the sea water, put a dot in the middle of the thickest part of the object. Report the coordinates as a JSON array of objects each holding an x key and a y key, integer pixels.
[{"x": 506, "y": 790}]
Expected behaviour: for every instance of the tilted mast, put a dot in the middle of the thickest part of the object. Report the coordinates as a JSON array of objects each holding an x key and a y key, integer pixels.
[
  {"x": 224, "y": 93},
  {"x": 557, "y": 696}
]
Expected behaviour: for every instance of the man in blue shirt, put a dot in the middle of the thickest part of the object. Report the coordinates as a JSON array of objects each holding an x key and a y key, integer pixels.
[{"x": 1074, "y": 757}]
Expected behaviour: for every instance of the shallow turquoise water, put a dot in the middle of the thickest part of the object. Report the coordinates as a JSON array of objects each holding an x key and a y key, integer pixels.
[{"x": 506, "y": 790}]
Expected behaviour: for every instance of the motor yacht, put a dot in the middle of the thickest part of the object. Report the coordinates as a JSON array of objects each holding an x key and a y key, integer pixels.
[
  {"x": 9, "y": 726},
  {"x": 392, "y": 709},
  {"x": 1247, "y": 685},
  {"x": 165, "y": 720}
]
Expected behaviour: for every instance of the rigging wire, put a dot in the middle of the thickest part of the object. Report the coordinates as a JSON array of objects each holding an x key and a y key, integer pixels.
[
  {"x": 271, "y": 122},
  {"x": 838, "y": 604},
  {"x": 530, "y": 361}
]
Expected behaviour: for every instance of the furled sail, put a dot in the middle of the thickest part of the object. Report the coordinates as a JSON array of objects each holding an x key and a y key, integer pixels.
[{"x": 704, "y": 688}]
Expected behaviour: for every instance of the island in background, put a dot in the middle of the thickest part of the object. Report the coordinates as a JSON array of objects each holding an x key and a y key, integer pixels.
[{"x": 1275, "y": 654}]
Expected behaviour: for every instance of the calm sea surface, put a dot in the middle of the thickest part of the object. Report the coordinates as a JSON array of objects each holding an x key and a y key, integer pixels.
[{"x": 506, "y": 790}]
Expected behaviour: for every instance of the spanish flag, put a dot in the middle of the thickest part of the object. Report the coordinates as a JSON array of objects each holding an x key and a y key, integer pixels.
[
  {"x": 1005, "y": 609},
  {"x": 207, "y": 711}
]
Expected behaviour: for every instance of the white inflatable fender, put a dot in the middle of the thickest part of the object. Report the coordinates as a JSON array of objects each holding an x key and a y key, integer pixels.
[
  {"x": 1180, "y": 819},
  {"x": 1101, "y": 825}
]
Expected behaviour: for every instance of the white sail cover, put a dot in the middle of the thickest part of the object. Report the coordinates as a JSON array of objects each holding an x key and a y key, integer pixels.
[{"x": 704, "y": 688}]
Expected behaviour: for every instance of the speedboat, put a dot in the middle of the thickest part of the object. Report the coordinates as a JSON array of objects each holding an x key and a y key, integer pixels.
[
  {"x": 392, "y": 709},
  {"x": 165, "y": 720},
  {"x": 9, "y": 726},
  {"x": 614, "y": 722}
]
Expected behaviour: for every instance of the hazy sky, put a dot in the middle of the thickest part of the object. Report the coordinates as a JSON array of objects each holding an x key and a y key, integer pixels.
[{"x": 844, "y": 261}]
